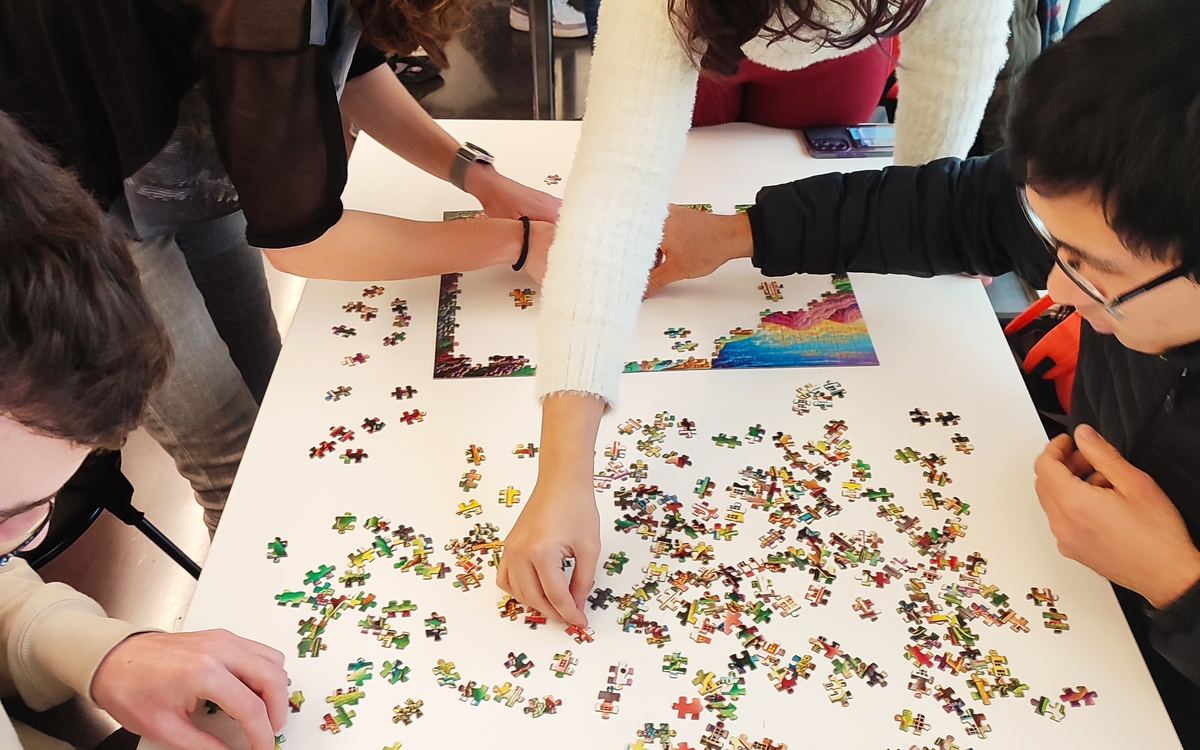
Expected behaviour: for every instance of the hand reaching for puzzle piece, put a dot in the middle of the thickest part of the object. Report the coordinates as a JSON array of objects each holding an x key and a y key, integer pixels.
[
  {"x": 1113, "y": 518},
  {"x": 560, "y": 520},
  {"x": 696, "y": 243},
  {"x": 152, "y": 682}
]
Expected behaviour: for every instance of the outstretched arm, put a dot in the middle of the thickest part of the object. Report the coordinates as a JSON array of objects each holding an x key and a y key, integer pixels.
[
  {"x": 364, "y": 246},
  {"x": 945, "y": 217}
]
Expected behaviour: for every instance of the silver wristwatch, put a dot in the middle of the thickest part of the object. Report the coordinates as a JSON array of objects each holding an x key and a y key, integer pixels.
[{"x": 467, "y": 155}]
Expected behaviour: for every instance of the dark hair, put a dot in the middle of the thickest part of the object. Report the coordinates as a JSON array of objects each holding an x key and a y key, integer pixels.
[
  {"x": 400, "y": 26},
  {"x": 713, "y": 31},
  {"x": 80, "y": 349},
  {"x": 1115, "y": 107}
]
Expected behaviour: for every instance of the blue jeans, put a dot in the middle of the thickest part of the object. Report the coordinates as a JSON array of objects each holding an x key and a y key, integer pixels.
[
  {"x": 209, "y": 288},
  {"x": 591, "y": 11}
]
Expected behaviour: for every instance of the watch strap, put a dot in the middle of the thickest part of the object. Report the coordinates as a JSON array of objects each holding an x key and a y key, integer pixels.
[{"x": 467, "y": 154}]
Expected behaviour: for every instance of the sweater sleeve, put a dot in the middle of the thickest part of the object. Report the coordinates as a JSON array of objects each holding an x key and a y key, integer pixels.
[
  {"x": 53, "y": 638},
  {"x": 639, "y": 108},
  {"x": 949, "y": 59},
  {"x": 945, "y": 217}
]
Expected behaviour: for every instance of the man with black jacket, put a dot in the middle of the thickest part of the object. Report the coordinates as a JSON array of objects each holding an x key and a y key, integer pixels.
[{"x": 1097, "y": 199}]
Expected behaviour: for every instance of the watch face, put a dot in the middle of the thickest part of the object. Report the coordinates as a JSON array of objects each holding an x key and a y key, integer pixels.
[{"x": 479, "y": 154}]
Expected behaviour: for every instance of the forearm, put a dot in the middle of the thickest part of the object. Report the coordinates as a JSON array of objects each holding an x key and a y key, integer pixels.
[
  {"x": 381, "y": 107},
  {"x": 639, "y": 106},
  {"x": 945, "y": 217},
  {"x": 570, "y": 421},
  {"x": 54, "y": 637},
  {"x": 372, "y": 247},
  {"x": 952, "y": 55}
]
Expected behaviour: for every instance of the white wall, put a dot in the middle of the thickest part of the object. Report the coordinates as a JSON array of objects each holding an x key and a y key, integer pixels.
[{"x": 1087, "y": 7}]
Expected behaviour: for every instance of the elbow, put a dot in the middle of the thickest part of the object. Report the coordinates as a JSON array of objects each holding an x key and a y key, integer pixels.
[{"x": 284, "y": 260}]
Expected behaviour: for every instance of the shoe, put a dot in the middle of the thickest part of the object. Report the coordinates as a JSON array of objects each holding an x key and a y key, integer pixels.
[{"x": 568, "y": 22}]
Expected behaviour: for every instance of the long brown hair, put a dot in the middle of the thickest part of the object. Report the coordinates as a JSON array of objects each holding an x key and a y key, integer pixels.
[
  {"x": 400, "y": 26},
  {"x": 713, "y": 31}
]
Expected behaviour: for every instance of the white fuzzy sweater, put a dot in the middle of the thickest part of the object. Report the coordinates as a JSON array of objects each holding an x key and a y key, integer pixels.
[{"x": 639, "y": 109}]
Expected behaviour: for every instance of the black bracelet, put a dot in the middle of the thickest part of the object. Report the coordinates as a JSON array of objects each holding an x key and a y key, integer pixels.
[{"x": 524, "y": 246}]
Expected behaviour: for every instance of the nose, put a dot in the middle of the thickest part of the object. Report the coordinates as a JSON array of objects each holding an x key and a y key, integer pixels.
[{"x": 1066, "y": 292}]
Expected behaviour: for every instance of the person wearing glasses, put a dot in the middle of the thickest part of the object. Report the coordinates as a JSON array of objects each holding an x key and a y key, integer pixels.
[
  {"x": 80, "y": 352},
  {"x": 1096, "y": 199}
]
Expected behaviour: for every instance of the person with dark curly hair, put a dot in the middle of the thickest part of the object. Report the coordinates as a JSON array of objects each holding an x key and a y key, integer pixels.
[
  {"x": 212, "y": 128},
  {"x": 641, "y": 96}
]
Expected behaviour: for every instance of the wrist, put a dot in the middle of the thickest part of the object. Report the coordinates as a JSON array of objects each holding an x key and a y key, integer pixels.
[
  {"x": 736, "y": 235},
  {"x": 570, "y": 422},
  {"x": 1175, "y": 581},
  {"x": 481, "y": 180}
]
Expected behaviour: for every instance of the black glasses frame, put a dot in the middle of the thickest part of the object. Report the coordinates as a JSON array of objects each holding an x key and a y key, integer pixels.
[
  {"x": 6, "y": 558},
  {"x": 1111, "y": 306}
]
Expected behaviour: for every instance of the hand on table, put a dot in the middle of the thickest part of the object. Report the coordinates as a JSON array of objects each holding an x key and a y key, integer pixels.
[
  {"x": 696, "y": 243},
  {"x": 151, "y": 684},
  {"x": 559, "y": 521},
  {"x": 1113, "y": 518},
  {"x": 503, "y": 198}
]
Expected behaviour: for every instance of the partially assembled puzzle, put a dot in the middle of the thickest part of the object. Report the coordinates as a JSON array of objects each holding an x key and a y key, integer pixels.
[
  {"x": 731, "y": 320},
  {"x": 808, "y": 560}
]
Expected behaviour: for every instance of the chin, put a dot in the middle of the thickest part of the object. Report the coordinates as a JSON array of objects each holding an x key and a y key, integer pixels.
[{"x": 1143, "y": 347}]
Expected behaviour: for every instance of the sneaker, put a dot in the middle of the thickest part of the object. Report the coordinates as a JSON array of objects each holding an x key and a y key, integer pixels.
[{"x": 568, "y": 22}]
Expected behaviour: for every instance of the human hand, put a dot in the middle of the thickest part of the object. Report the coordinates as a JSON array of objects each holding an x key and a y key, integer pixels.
[
  {"x": 559, "y": 521},
  {"x": 696, "y": 243},
  {"x": 151, "y": 683},
  {"x": 1113, "y": 518},
  {"x": 503, "y": 198}
]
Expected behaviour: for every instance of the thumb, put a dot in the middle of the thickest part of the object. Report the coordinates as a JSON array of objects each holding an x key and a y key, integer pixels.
[
  {"x": 1107, "y": 460},
  {"x": 658, "y": 279}
]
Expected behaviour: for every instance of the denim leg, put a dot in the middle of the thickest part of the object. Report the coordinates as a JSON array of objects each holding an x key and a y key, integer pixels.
[
  {"x": 591, "y": 12},
  {"x": 202, "y": 416},
  {"x": 229, "y": 274}
]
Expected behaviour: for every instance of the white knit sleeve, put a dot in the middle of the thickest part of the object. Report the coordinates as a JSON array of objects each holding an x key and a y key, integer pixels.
[
  {"x": 639, "y": 109},
  {"x": 949, "y": 59}
]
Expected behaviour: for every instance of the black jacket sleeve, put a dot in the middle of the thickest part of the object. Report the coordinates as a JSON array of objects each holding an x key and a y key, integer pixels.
[
  {"x": 1175, "y": 633},
  {"x": 949, "y": 216}
]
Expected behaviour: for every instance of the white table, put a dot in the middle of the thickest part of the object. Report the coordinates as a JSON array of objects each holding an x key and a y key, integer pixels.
[{"x": 938, "y": 346}]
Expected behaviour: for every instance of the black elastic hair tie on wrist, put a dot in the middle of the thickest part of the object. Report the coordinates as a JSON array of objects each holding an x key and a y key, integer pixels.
[{"x": 524, "y": 246}]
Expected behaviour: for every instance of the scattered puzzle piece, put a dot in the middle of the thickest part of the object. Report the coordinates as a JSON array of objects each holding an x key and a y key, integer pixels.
[
  {"x": 509, "y": 497},
  {"x": 522, "y": 298},
  {"x": 616, "y": 563},
  {"x": 410, "y": 711},
  {"x": 528, "y": 450},
  {"x": 277, "y": 550},
  {"x": 563, "y": 664},
  {"x": 688, "y": 709}
]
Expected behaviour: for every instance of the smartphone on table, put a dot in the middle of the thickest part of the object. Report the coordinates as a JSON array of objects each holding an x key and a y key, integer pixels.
[{"x": 850, "y": 142}]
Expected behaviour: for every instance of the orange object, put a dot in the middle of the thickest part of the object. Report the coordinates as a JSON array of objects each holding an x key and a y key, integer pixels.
[{"x": 1055, "y": 356}]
